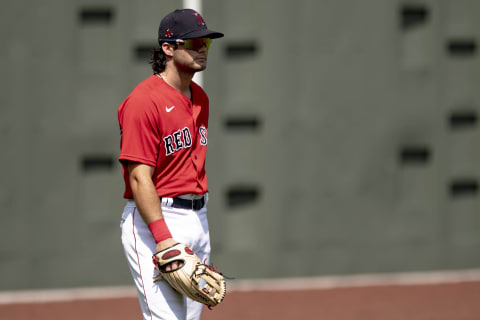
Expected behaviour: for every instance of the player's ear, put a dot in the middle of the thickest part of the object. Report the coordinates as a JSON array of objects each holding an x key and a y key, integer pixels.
[{"x": 167, "y": 49}]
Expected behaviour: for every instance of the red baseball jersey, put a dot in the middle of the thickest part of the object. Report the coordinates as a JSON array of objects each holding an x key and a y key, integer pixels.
[{"x": 162, "y": 128}]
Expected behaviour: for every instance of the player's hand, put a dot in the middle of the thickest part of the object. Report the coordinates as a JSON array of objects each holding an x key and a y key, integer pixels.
[{"x": 162, "y": 245}]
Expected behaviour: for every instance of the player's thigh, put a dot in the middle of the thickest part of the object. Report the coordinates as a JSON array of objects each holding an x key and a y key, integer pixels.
[{"x": 157, "y": 299}]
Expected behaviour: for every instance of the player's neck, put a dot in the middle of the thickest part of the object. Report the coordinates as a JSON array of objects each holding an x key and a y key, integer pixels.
[{"x": 178, "y": 80}]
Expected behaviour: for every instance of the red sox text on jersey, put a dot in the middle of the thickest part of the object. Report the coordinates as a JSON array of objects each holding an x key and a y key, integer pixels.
[{"x": 182, "y": 139}]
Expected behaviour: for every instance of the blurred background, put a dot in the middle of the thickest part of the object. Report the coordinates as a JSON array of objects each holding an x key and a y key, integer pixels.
[{"x": 343, "y": 136}]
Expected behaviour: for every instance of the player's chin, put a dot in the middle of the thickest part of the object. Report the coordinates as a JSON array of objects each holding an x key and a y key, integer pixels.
[
  {"x": 200, "y": 66},
  {"x": 202, "y": 63}
]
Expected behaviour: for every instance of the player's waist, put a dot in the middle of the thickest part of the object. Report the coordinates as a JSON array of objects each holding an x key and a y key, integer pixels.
[{"x": 187, "y": 201}]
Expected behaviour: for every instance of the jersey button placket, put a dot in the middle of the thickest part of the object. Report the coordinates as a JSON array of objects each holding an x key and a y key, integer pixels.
[{"x": 195, "y": 157}]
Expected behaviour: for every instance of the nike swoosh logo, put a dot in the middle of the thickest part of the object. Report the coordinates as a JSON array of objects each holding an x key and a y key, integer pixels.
[{"x": 169, "y": 109}]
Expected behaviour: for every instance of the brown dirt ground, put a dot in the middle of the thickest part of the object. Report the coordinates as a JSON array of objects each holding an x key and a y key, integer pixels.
[{"x": 417, "y": 302}]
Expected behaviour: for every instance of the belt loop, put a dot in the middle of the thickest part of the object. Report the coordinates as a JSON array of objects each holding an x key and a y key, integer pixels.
[{"x": 167, "y": 202}]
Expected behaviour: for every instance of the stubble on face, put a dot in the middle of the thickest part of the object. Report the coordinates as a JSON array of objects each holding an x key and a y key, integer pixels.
[{"x": 190, "y": 61}]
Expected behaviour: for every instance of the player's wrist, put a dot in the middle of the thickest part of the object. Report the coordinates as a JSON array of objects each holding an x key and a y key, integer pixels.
[{"x": 159, "y": 230}]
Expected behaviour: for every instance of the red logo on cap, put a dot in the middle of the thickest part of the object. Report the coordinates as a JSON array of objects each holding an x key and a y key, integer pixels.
[
  {"x": 168, "y": 34},
  {"x": 199, "y": 18}
]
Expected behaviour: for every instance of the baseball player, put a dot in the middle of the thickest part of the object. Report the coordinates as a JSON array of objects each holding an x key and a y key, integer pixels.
[{"x": 164, "y": 125}]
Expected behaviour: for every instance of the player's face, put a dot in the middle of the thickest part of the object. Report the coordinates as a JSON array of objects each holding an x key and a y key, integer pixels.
[{"x": 191, "y": 55}]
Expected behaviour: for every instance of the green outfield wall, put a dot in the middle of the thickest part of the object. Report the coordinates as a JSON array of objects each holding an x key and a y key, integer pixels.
[{"x": 343, "y": 136}]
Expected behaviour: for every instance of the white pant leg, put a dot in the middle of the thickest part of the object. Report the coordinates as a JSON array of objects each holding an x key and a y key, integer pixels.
[
  {"x": 158, "y": 300},
  {"x": 190, "y": 227}
]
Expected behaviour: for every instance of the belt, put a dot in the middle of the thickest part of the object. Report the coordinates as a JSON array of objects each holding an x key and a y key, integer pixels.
[{"x": 194, "y": 204}]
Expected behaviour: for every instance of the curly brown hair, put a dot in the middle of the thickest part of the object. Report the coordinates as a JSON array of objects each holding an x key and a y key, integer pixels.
[{"x": 159, "y": 59}]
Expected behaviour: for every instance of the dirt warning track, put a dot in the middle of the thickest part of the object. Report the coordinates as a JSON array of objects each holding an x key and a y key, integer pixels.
[{"x": 416, "y": 297}]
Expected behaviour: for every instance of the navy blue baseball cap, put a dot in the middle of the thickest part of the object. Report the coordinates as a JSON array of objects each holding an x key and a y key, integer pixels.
[{"x": 184, "y": 24}]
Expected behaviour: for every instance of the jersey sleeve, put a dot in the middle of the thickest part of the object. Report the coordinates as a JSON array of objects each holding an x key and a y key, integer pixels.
[{"x": 140, "y": 131}]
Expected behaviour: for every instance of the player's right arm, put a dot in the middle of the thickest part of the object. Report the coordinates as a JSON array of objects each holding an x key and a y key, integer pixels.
[
  {"x": 146, "y": 197},
  {"x": 138, "y": 119}
]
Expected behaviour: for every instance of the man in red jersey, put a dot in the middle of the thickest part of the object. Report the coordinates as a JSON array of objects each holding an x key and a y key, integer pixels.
[{"x": 164, "y": 124}]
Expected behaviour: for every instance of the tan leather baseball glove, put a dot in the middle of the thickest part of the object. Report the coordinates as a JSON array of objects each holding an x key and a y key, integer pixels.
[{"x": 192, "y": 278}]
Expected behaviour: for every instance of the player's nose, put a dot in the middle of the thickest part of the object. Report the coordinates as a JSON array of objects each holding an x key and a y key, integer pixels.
[{"x": 203, "y": 48}]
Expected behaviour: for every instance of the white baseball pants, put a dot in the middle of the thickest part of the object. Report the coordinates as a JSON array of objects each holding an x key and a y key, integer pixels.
[{"x": 157, "y": 299}]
